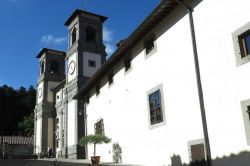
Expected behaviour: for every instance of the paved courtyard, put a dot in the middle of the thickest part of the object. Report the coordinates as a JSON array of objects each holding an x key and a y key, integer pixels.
[{"x": 51, "y": 162}]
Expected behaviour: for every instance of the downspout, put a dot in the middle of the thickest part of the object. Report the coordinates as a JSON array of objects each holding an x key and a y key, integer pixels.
[
  {"x": 85, "y": 125},
  {"x": 199, "y": 86},
  {"x": 66, "y": 123}
]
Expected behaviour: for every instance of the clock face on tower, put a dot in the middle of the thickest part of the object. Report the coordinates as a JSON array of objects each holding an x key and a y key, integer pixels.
[
  {"x": 72, "y": 67},
  {"x": 40, "y": 92}
]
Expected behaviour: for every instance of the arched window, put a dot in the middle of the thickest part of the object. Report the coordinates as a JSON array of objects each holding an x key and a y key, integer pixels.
[
  {"x": 90, "y": 34},
  {"x": 73, "y": 36},
  {"x": 42, "y": 68},
  {"x": 54, "y": 67}
]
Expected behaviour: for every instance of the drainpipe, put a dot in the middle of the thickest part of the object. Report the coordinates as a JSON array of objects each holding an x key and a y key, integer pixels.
[
  {"x": 85, "y": 125},
  {"x": 199, "y": 86}
]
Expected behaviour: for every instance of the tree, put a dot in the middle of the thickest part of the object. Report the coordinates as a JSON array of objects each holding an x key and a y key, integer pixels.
[
  {"x": 14, "y": 106},
  {"x": 94, "y": 139},
  {"x": 27, "y": 125}
]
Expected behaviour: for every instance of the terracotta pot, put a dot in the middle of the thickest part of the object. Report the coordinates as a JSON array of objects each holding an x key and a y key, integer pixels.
[{"x": 95, "y": 159}]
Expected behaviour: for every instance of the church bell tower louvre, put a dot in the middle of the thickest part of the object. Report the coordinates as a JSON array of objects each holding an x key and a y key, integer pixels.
[{"x": 51, "y": 73}]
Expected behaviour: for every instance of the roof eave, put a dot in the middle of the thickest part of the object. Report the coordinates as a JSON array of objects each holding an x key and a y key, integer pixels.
[
  {"x": 78, "y": 11},
  {"x": 158, "y": 14}
]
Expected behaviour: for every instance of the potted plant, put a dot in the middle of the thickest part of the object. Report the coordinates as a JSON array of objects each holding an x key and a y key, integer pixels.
[{"x": 94, "y": 139}]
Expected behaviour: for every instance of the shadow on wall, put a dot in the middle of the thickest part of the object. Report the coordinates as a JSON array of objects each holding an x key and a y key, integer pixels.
[
  {"x": 241, "y": 159},
  {"x": 117, "y": 153}
]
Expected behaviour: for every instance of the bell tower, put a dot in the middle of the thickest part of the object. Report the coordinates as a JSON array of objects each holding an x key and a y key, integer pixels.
[
  {"x": 51, "y": 73},
  {"x": 85, "y": 55},
  {"x": 86, "y": 51}
]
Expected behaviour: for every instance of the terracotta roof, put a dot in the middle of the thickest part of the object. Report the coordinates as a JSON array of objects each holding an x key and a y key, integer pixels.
[
  {"x": 51, "y": 51},
  {"x": 17, "y": 140},
  {"x": 78, "y": 12},
  {"x": 159, "y": 13}
]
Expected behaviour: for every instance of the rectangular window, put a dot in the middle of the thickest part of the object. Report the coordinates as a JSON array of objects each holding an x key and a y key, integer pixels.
[
  {"x": 245, "y": 44},
  {"x": 241, "y": 42},
  {"x": 245, "y": 108},
  {"x": 99, "y": 127},
  {"x": 91, "y": 63},
  {"x": 155, "y": 107},
  {"x": 42, "y": 67}
]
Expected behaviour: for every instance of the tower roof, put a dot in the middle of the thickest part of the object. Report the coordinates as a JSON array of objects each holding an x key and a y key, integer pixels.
[
  {"x": 51, "y": 51},
  {"x": 77, "y": 12}
]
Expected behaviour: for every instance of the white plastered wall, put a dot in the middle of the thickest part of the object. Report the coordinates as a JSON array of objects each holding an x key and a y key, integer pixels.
[
  {"x": 123, "y": 105},
  {"x": 72, "y": 121},
  {"x": 38, "y": 135},
  {"x": 224, "y": 84}
]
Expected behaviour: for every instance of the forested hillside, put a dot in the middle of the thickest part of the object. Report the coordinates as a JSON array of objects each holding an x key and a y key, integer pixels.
[{"x": 16, "y": 110}]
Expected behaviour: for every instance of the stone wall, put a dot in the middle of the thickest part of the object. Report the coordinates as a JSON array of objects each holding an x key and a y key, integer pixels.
[{"x": 10, "y": 151}]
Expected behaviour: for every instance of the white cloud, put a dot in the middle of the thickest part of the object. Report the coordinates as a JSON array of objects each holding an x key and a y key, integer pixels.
[
  {"x": 110, "y": 49},
  {"x": 50, "y": 39},
  {"x": 108, "y": 41},
  {"x": 107, "y": 35}
]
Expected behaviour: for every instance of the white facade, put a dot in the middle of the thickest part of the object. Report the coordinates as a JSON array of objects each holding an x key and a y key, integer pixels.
[
  {"x": 123, "y": 105},
  {"x": 72, "y": 122},
  {"x": 38, "y": 136}
]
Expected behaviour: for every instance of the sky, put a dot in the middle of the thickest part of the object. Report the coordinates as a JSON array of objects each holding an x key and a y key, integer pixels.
[{"x": 27, "y": 26}]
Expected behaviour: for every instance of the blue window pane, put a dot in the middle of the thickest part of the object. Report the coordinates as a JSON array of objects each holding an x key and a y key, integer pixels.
[
  {"x": 247, "y": 40},
  {"x": 151, "y": 101},
  {"x": 151, "y": 98},
  {"x": 158, "y": 99},
  {"x": 156, "y": 115}
]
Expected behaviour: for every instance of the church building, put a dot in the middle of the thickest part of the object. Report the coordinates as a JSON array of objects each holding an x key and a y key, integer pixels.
[
  {"x": 59, "y": 119},
  {"x": 175, "y": 91}
]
